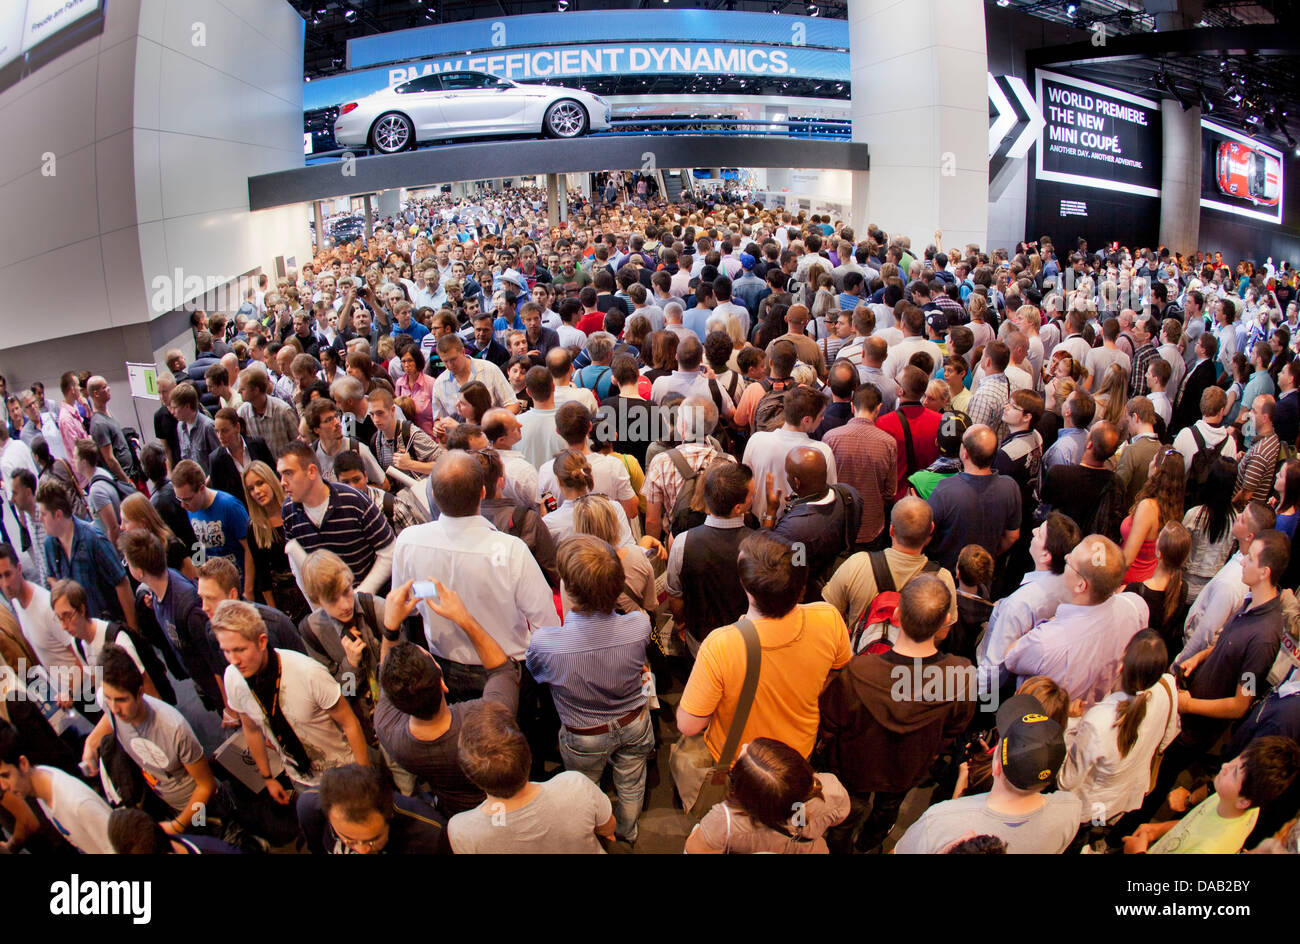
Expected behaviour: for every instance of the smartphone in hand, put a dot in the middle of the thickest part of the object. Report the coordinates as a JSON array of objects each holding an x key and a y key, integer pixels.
[{"x": 424, "y": 590}]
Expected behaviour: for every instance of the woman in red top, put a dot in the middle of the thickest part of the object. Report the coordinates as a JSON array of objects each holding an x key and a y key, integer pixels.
[{"x": 1159, "y": 502}]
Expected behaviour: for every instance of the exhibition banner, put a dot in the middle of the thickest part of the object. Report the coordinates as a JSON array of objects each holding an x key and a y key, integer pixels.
[
  {"x": 571, "y": 63},
  {"x": 596, "y": 26},
  {"x": 1095, "y": 136}
]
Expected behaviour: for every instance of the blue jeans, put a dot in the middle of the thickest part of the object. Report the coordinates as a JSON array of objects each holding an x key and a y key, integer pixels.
[{"x": 627, "y": 749}]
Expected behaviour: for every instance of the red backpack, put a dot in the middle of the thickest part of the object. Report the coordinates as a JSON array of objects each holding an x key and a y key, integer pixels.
[{"x": 877, "y": 627}]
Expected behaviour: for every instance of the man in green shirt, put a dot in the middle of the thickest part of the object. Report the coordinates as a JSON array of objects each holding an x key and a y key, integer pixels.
[{"x": 1223, "y": 821}]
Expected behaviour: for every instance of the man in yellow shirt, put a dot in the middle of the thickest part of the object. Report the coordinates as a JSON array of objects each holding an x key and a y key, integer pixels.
[
  {"x": 1223, "y": 821},
  {"x": 801, "y": 644}
]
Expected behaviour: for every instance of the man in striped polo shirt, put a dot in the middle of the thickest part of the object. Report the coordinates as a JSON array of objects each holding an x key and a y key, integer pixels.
[{"x": 320, "y": 515}]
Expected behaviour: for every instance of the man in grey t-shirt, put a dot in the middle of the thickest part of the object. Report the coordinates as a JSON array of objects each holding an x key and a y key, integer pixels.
[
  {"x": 567, "y": 814},
  {"x": 157, "y": 738},
  {"x": 107, "y": 433},
  {"x": 1016, "y": 809}
]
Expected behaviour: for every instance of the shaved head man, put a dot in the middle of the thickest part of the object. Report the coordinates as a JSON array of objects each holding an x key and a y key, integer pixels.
[{"x": 976, "y": 506}]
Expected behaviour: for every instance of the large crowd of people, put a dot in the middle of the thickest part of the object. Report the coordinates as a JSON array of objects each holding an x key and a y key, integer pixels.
[{"x": 479, "y": 535}]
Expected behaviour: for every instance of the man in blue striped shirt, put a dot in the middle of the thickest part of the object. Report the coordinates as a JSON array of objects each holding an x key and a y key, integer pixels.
[
  {"x": 595, "y": 666},
  {"x": 320, "y": 515}
]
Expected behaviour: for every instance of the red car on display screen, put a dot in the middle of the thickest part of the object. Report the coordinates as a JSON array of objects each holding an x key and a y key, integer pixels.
[{"x": 1249, "y": 174}]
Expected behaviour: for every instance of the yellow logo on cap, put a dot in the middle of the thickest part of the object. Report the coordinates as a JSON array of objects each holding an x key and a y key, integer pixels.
[
  {"x": 1044, "y": 774},
  {"x": 1031, "y": 719}
]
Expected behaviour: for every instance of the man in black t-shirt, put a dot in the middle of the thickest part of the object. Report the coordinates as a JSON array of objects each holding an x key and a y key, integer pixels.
[
  {"x": 1076, "y": 490},
  {"x": 1223, "y": 680}
]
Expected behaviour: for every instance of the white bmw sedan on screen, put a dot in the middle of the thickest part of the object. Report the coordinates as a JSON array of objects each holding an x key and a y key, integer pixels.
[{"x": 462, "y": 105}]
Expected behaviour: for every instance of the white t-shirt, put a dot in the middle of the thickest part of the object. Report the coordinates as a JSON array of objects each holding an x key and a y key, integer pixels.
[
  {"x": 766, "y": 452},
  {"x": 92, "y": 651},
  {"x": 77, "y": 812},
  {"x": 42, "y": 630},
  {"x": 307, "y": 693},
  {"x": 608, "y": 473},
  {"x": 564, "y": 394}
]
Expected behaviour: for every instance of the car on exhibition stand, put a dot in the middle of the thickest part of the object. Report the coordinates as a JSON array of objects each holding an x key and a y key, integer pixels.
[{"x": 447, "y": 105}]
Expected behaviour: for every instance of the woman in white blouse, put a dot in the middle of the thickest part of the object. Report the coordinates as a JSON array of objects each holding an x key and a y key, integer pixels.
[{"x": 1108, "y": 761}]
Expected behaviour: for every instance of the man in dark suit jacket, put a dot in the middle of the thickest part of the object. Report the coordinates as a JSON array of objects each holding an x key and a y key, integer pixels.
[
  {"x": 1286, "y": 419},
  {"x": 1198, "y": 379},
  {"x": 225, "y": 475}
]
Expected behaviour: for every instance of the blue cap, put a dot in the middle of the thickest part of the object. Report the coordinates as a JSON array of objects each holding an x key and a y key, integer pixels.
[{"x": 747, "y": 261}]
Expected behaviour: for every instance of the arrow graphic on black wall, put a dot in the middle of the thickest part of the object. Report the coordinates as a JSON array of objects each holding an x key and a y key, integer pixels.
[{"x": 1015, "y": 121}]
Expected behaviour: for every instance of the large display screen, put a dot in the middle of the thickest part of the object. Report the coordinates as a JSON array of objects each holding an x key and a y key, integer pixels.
[
  {"x": 582, "y": 28},
  {"x": 1240, "y": 175},
  {"x": 575, "y": 63},
  {"x": 34, "y": 31},
  {"x": 1097, "y": 136}
]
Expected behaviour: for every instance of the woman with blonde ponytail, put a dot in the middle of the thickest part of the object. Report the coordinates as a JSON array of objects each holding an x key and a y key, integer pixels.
[{"x": 1108, "y": 760}]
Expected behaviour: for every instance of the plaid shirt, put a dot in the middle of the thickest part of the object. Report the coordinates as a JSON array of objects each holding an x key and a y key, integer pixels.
[
  {"x": 278, "y": 425},
  {"x": 956, "y": 313},
  {"x": 1142, "y": 358},
  {"x": 663, "y": 481},
  {"x": 867, "y": 459},
  {"x": 988, "y": 402}
]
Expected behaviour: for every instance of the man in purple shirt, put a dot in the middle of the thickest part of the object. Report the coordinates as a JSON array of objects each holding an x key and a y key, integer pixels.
[{"x": 595, "y": 666}]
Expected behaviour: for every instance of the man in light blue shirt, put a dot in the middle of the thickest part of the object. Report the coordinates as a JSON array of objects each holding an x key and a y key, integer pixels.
[
  {"x": 1034, "y": 601},
  {"x": 696, "y": 319},
  {"x": 1080, "y": 409}
]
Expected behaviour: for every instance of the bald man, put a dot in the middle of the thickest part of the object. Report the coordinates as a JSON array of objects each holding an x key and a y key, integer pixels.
[
  {"x": 503, "y": 431},
  {"x": 852, "y": 587},
  {"x": 1082, "y": 647},
  {"x": 107, "y": 433},
  {"x": 1076, "y": 490},
  {"x": 824, "y": 519},
  {"x": 975, "y": 506}
]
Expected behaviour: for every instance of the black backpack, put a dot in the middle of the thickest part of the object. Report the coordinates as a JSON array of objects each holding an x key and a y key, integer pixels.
[
  {"x": 124, "y": 489},
  {"x": 769, "y": 413},
  {"x": 1202, "y": 462},
  {"x": 688, "y": 509}
]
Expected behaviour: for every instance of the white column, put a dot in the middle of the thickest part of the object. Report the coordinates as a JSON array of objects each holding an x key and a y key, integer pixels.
[
  {"x": 920, "y": 102},
  {"x": 552, "y": 200}
]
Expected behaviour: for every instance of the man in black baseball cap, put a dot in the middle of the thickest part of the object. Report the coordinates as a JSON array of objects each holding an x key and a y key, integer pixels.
[{"x": 1019, "y": 809}]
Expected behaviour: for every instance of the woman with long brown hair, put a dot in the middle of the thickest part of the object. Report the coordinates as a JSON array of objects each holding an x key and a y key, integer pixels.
[
  {"x": 1165, "y": 590},
  {"x": 1159, "y": 502},
  {"x": 273, "y": 580},
  {"x": 138, "y": 513},
  {"x": 1112, "y": 396},
  {"x": 777, "y": 803}
]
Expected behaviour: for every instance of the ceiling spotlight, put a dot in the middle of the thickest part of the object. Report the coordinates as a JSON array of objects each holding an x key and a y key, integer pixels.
[
  {"x": 428, "y": 15},
  {"x": 321, "y": 11},
  {"x": 1071, "y": 9},
  {"x": 813, "y": 10},
  {"x": 1207, "y": 106},
  {"x": 1252, "y": 119},
  {"x": 1004, "y": 3},
  {"x": 562, "y": 6},
  {"x": 349, "y": 14}
]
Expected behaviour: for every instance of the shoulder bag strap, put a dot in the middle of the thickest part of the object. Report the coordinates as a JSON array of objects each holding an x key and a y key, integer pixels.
[
  {"x": 907, "y": 440},
  {"x": 880, "y": 570},
  {"x": 753, "y": 663},
  {"x": 677, "y": 459}
]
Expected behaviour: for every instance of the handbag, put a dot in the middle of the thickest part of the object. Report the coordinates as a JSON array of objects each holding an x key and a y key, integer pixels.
[
  {"x": 1159, "y": 754},
  {"x": 701, "y": 782}
]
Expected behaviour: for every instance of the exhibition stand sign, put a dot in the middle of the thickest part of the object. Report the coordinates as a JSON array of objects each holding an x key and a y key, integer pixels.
[{"x": 1095, "y": 136}]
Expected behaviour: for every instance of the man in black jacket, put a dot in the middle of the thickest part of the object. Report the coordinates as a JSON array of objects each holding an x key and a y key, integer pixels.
[
  {"x": 1187, "y": 409},
  {"x": 881, "y": 726},
  {"x": 820, "y": 517}
]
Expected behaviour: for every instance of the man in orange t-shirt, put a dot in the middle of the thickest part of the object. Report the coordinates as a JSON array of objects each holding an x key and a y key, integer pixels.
[{"x": 801, "y": 645}]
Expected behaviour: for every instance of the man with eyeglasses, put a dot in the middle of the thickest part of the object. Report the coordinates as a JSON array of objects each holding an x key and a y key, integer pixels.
[{"x": 355, "y": 812}]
